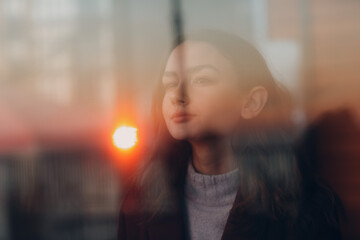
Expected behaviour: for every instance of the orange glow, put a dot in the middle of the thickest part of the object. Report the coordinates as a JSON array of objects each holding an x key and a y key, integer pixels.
[{"x": 125, "y": 137}]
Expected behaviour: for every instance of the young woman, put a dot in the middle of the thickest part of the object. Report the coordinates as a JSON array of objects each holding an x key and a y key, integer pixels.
[{"x": 222, "y": 165}]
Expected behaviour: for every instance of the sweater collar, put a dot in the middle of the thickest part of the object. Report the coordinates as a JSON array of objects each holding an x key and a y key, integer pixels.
[{"x": 211, "y": 190}]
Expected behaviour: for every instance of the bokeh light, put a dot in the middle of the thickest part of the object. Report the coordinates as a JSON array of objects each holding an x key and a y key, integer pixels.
[{"x": 125, "y": 137}]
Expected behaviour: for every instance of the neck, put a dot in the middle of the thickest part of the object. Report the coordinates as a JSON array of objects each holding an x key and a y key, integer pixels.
[{"x": 213, "y": 157}]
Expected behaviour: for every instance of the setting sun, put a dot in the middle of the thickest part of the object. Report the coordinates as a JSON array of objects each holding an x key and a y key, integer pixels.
[{"x": 125, "y": 137}]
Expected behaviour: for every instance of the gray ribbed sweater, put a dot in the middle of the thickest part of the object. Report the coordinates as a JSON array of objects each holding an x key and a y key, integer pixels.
[{"x": 209, "y": 199}]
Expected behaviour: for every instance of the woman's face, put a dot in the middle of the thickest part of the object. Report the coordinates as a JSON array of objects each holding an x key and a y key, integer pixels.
[{"x": 202, "y": 94}]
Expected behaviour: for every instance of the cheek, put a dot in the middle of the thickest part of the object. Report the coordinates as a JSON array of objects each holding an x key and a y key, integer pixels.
[
  {"x": 221, "y": 101},
  {"x": 165, "y": 110},
  {"x": 165, "y": 107},
  {"x": 223, "y": 112}
]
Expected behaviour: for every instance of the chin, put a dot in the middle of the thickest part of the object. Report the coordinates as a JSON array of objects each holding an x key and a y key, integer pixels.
[
  {"x": 179, "y": 136},
  {"x": 180, "y": 133}
]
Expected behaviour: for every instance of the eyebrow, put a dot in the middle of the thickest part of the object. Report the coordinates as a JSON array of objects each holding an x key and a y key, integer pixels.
[{"x": 191, "y": 70}]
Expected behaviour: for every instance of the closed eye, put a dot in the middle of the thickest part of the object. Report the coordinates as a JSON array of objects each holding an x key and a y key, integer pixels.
[
  {"x": 170, "y": 85},
  {"x": 202, "y": 80}
]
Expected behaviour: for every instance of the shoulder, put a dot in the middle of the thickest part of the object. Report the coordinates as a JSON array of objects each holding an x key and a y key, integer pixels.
[
  {"x": 144, "y": 213},
  {"x": 130, "y": 221},
  {"x": 137, "y": 221},
  {"x": 320, "y": 213}
]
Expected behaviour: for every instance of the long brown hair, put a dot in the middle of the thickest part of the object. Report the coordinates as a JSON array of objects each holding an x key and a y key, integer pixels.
[{"x": 270, "y": 178}]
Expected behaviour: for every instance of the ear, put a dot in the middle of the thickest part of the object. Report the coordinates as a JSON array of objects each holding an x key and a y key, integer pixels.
[{"x": 254, "y": 102}]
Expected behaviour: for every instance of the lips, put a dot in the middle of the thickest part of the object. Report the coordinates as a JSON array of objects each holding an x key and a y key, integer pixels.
[{"x": 180, "y": 117}]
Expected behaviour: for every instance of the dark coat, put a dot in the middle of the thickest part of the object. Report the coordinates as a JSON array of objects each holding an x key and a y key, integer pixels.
[{"x": 312, "y": 222}]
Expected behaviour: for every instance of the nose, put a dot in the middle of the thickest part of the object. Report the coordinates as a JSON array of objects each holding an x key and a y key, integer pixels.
[{"x": 180, "y": 95}]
